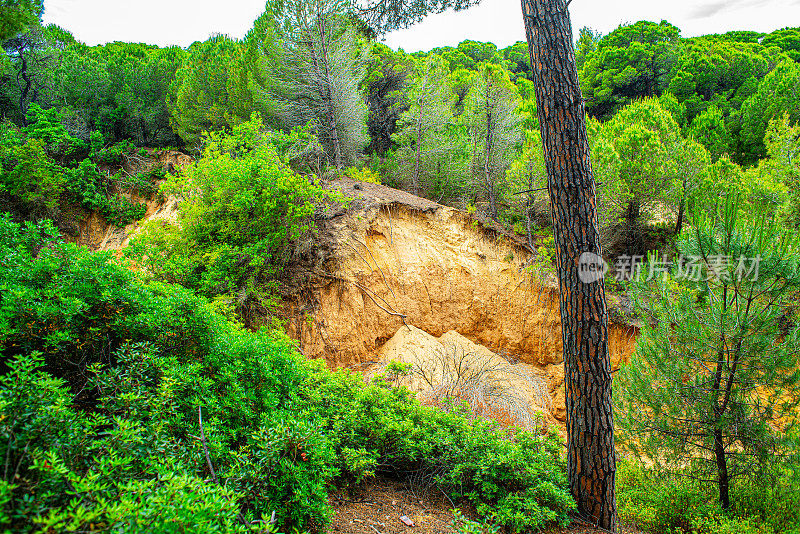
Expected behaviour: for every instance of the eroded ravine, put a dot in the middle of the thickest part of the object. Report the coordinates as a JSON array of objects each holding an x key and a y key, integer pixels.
[
  {"x": 394, "y": 261},
  {"x": 398, "y": 260}
]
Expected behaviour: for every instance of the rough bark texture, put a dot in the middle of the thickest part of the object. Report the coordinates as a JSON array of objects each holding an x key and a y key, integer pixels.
[{"x": 590, "y": 432}]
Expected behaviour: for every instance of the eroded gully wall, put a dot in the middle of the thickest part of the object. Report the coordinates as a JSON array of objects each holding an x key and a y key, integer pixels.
[{"x": 438, "y": 271}]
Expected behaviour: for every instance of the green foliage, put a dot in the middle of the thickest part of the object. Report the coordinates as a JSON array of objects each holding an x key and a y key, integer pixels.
[
  {"x": 776, "y": 179},
  {"x": 463, "y": 525},
  {"x": 516, "y": 480},
  {"x": 713, "y": 71},
  {"x": 16, "y": 15},
  {"x": 722, "y": 341},
  {"x": 144, "y": 406},
  {"x": 29, "y": 174},
  {"x": 119, "y": 90},
  {"x": 631, "y": 62},
  {"x": 543, "y": 265},
  {"x": 43, "y": 161},
  {"x": 586, "y": 45},
  {"x": 492, "y": 120},
  {"x": 314, "y": 71},
  {"x": 656, "y": 503},
  {"x": 46, "y": 126},
  {"x": 645, "y": 164},
  {"x": 710, "y": 130},
  {"x": 245, "y": 212},
  {"x": 528, "y": 173},
  {"x": 776, "y": 96},
  {"x": 669, "y": 504},
  {"x": 212, "y": 89},
  {"x": 425, "y": 150},
  {"x": 364, "y": 174},
  {"x": 787, "y": 39}
]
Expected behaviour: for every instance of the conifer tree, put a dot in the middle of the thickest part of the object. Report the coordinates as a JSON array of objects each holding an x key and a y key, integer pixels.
[
  {"x": 422, "y": 136},
  {"x": 591, "y": 458},
  {"x": 492, "y": 119},
  {"x": 316, "y": 71},
  {"x": 713, "y": 386},
  {"x": 211, "y": 89}
]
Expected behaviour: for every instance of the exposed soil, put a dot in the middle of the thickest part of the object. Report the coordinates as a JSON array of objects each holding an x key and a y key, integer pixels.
[{"x": 376, "y": 508}]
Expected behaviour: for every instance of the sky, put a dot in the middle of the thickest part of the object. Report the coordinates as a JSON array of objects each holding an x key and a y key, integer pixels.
[{"x": 181, "y": 22}]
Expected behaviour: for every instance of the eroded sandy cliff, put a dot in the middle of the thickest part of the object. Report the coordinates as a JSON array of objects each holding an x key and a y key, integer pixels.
[
  {"x": 394, "y": 260},
  {"x": 394, "y": 273}
]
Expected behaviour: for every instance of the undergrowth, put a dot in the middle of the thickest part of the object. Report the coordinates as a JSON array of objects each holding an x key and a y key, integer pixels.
[
  {"x": 673, "y": 504},
  {"x": 132, "y": 406}
]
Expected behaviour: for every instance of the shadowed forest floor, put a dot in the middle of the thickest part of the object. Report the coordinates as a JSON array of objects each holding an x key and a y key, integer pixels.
[{"x": 376, "y": 508}]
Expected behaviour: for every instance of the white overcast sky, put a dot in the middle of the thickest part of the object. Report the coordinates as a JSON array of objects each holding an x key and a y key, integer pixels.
[{"x": 181, "y": 22}]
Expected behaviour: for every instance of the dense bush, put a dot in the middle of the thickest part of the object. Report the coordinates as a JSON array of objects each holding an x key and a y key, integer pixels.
[
  {"x": 518, "y": 482},
  {"x": 678, "y": 504},
  {"x": 106, "y": 380},
  {"x": 245, "y": 213},
  {"x": 42, "y": 166}
]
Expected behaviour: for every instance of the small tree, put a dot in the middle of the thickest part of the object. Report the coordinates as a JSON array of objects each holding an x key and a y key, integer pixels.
[
  {"x": 210, "y": 90},
  {"x": 316, "y": 72},
  {"x": 712, "y": 387},
  {"x": 780, "y": 171},
  {"x": 492, "y": 119},
  {"x": 645, "y": 165},
  {"x": 422, "y": 138}
]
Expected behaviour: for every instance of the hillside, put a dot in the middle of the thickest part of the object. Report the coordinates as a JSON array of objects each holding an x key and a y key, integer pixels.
[{"x": 392, "y": 271}]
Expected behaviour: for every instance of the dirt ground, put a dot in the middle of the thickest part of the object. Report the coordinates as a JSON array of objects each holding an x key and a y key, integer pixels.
[{"x": 377, "y": 507}]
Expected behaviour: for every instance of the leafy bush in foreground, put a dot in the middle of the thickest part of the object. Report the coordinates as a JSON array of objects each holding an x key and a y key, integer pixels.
[{"x": 105, "y": 381}]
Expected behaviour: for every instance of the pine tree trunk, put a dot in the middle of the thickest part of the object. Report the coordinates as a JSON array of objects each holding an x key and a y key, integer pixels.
[
  {"x": 328, "y": 96},
  {"x": 681, "y": 215},
  {"x": 722, "y": 471},
  {"x": 591, "y": 461}
]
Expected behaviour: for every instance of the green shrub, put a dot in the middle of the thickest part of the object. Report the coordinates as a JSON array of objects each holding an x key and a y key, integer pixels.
[
  {"x": 113, "y": 154},
  {"x": 106, "y": 379},
  {"x": 667, "y": 504},
  {"x": 75, "y": 472},
  {"x": 720, "y": 524},
  {"x": 517, "y": 481},
  {"x": 245, "y": 214},
  {"x": 657, "y": 503},
  {"x": 45, "y": 126},
  {"x": 772, "y": 500},
  {"x": 41, "y": 162},
  {"x": 28, "y": 173}
]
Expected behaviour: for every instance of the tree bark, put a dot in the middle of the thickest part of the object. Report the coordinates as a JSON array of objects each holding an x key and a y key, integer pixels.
[
  {"x": 722, "y": 470},
  {"x": 328, "y": 95},
  {"x": 591, "y": 461},
  {"x": 681, "y": 212}
]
